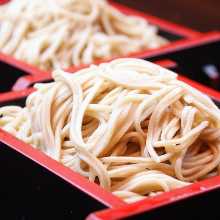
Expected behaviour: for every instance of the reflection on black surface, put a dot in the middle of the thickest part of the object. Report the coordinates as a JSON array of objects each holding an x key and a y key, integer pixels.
[
  {"x": 8, "y": 76},
  {"x": 201, "y": 63}
]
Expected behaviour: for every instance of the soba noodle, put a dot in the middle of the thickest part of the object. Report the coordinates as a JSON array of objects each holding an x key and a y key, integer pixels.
[
  {"x": 128, "y": 125},
  {"x": 62, "y": 33}
]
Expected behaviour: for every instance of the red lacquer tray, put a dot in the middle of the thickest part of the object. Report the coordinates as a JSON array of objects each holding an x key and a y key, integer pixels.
[
  {"x": 203, "y": 40},
  {"x": 174, "y": 32},
  {"x": 120, "y": 209},
  {"x": 144, "y": 209}
]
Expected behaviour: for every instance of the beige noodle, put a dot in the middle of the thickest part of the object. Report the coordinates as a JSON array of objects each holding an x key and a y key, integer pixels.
[
  {"x": 128, "y": 125},
  {"x": 62, "y": 33}
]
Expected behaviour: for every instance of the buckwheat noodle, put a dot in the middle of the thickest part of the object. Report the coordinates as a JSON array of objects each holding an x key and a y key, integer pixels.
[
  {"x": 60, "y": 33},
  {"x": 128, "y": 125}
]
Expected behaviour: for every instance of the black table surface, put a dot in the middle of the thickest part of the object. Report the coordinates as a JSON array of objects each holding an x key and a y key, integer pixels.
[{"x": 202, "y": 15}]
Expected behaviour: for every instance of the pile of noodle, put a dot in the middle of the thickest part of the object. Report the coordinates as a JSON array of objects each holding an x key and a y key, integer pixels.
[
  {"x": 59, "y": 33},
  {"x": 128, "y": 125}
]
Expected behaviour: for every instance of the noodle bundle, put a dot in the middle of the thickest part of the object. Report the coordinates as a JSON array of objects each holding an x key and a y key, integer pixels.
[
  {"x": 128, "y": 125},
  {"x": 59, "y": 33}
]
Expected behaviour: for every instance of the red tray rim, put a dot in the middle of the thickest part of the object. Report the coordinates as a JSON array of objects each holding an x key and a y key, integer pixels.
[
  {"x": 92, "y": 189},
  {"x": 185, "y": 32},
  {"x": 75, "y": 179},
  {"x": 67, "y": 174},
  {"x": 158, "y": 201},
  {"x": 25, "y": 81},
  {"x": 163, "y": 23},
  {"x": 70, "y": 176},
  {"x": 22, "y": 90}
]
